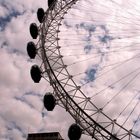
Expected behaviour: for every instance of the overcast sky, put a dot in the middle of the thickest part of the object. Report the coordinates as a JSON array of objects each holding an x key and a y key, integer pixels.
[
  {"x": 21, "y": 107},
  {"x": 21, "y": 99}
]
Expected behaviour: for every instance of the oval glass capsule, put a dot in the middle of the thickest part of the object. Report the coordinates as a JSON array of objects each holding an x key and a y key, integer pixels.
[
  {"x": 74, "y": 132},
  {"x": 31, "y": 50},
  {"x": 40, "y": 14},
  {"x": 33, "y": 30},
  {"x": 49, "y": 102},
  {"x": 50, "y": 2},
  {"x": 35, "y": 73}
]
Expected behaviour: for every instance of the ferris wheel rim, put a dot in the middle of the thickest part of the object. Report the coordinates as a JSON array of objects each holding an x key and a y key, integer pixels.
[{"x": 57, "y": 80}]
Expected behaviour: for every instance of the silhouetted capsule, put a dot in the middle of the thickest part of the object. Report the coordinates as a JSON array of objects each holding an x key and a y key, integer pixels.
[
  {"x": 74, "y": 132},
  {"x": 34, "y": 30},
  {"x": 50, "y": 2},
  {"x": 40, "y": 14},
  {"x": 31, "y": 50},
  {"x": 35, "y": 73},
  {"x": 49, "y": 102}
]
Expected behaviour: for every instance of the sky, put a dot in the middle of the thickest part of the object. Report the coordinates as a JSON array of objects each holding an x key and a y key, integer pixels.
[
  {"x": 104, "y": 43},
  {"x": 21, "y": 106},
  {"x": 85, "y": 31}
]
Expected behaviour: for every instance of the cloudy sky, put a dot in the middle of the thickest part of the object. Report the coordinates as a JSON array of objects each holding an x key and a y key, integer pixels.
[
  {"x": 88, "y": 34},
  {"x": 104, "y": 43},
  {"x": 21, "y": 108}
]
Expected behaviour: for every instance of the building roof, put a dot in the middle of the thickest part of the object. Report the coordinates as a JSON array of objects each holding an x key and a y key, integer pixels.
[{"x": 45, "y": 136}]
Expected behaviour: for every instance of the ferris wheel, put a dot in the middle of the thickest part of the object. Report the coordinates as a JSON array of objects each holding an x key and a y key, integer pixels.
[{"x": 89, "y": 53}]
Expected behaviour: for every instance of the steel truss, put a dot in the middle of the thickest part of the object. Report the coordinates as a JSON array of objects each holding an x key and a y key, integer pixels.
[{"x": 70, "y": 95}]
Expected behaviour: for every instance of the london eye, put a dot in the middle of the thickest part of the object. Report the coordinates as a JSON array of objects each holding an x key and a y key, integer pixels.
[{"x": 88, "y": 51}]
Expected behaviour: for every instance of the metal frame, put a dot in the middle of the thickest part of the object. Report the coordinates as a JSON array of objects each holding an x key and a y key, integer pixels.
[{"x": 69, "y": 94}]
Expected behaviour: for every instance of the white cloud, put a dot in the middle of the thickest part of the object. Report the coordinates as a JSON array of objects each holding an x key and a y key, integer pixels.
[
  {"x": 118, "y": 19},
  {"x": 4, "y": 11},
  {"x": 21, "y": 99}
]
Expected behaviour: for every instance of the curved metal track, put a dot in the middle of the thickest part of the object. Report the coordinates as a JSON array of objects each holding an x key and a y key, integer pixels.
[{"x": 68, "y": 93}]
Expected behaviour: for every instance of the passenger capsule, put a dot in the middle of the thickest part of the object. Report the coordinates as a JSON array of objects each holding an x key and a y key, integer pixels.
[
  {"x": 40, "y": 14},
  {"x": 74, "y": 132},
  {"x": 35, "y": 73},
  {"x": 34, "y": 30},
  {"x": 49, "y": 102},
  {"x": 50, "y": 2},
  {"x": 31, "y": 50}
]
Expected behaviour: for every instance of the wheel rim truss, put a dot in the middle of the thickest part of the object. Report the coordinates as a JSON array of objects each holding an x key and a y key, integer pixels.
[{"x": 65, "y": 89}]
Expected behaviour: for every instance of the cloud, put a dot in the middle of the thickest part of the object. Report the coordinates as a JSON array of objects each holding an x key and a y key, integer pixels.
[
  {"x": 98, "y": 45},
  {"x": 104, "y": 36},
  {"x": 21, "y": 100}
]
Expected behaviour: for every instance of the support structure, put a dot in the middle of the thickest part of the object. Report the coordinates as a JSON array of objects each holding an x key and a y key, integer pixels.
[{"x": 69, "y": 94}]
